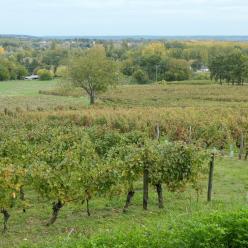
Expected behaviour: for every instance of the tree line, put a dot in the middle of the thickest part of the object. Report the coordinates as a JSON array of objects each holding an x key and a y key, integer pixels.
[
  {"x": 138, "y": 61},
  {"x": 99, "y": 66},
  {"x": 229, "y": 67}
]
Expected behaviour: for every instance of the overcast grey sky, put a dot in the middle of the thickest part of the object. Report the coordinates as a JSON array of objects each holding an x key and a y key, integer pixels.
[{"x": 124, "y": 17}]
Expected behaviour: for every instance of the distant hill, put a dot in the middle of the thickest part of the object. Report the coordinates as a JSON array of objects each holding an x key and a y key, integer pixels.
[
  {"x": 131, "y": 37},
  {"x": 16, "y": 36},
  {"x": 150, "y": 37}
]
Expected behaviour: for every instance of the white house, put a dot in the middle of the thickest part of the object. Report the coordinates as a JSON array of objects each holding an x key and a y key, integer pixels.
[{"x": 204, "y": 69}]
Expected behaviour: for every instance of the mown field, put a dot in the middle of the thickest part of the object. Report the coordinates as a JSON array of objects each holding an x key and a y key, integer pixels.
[
  {"x": 25, "y": 96},
  {"x": 24, "y": 88},
  {"x": 205, "y": 114}
]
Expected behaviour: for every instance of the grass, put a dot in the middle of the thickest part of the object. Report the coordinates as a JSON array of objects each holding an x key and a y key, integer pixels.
[
  {"x": 177, "y": 95},
  {"x": 230, "y": 193},
  {"x": 25, "y": 95},
  {"x": 192, "y": 93},
  {"x": 193, "y": 82},
  {"x": 24, "y": 87}
]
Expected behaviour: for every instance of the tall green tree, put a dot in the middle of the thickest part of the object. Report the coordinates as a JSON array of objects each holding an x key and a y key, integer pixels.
[
  {"x": 217, "y": 67},
  {"x": 92, "y": 71},
  {"x": 231, "y": 67},
  {"x": 4, "y": 73},
  {"x": 53, "y": 58}
]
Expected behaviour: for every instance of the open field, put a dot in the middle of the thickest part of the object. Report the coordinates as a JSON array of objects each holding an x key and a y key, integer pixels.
[
  {"x": 24, "y": 87},
  {"x": 178, "y": 95},
  {"x": 230, "y": 193},
  {"x": 25, "y": 95}
]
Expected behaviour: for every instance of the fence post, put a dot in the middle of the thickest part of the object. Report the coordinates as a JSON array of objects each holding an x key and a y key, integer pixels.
[
  {"x": 231, "y": 151},
  {"x": 241, "y": 148},
  {"x": 157, "y": 132},
  {"x": 210, "y": 178},
  {"x": 190, "y": 134},
  {"x": 145, "y": 187},
  {"x": 159, "y": 186}
]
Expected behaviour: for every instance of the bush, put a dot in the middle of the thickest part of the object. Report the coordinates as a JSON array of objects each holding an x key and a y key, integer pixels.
[
  {"x": 140, "y": 76},
  {"x": 45, "y": 74},
  {"x": 61, "y": 71},
  {"x": 201, "y": 76}
]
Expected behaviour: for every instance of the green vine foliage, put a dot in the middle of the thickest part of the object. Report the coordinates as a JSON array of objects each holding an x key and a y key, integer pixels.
[
  {"x": 70, "y": 163},
  {"x": 11, "y": 179}
]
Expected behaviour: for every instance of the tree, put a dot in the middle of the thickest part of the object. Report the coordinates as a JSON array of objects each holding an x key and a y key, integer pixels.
[
  {"x": 230, "y": 66},
  {"x": 217, "y": 67},
  {"x": 236, "y": 70},
  {"x": 11, "y": 69},
  {"x": 4, "y": 73},
  {"x": 148, "y": 63},
  {"x": 92, "y": 71},
  {"x": 53, "y": 58},
  {"x": 154, "y": 48},
  {"x": 21, "y": 71},
  {"x": 174, "y": 70},
  {"x": 245, "y": 69},
  {"x": 10, "y": 66},
  {"x": 128, "y": 67},
  {"x": 140, "y": 76}
]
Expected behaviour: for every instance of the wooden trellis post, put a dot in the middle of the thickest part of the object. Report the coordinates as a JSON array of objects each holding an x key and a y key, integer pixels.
[
  {"x": 241, "y": 148},
  {"x": 210, "y": 178}
]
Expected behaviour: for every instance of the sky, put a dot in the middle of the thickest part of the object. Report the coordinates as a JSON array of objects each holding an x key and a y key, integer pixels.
[{"x": 124, "y": 17}]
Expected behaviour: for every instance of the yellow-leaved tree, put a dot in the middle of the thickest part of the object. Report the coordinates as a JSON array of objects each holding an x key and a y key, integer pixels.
[
  {"x": 1, "y": 50},
  {"x": 157, "y": 48}
]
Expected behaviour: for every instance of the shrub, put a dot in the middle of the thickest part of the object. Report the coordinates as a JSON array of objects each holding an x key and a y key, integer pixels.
[
  {"x": 201, "y": 76},
  {"x": 45, "y": 74},
  {"x": 61, "y": 71}
]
